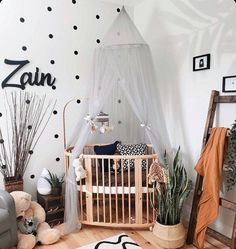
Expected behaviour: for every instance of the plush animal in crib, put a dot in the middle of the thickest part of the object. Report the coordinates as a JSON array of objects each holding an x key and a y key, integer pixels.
[
  {"x": 156, "y": 173},
  {"x": 32, "y": 214},
  {"x": 80, "y": 172}
]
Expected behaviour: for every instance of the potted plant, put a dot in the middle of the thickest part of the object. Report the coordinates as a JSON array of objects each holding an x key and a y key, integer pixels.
[
  {"x": 56, "y": 183},
  {"x": 27, "y": 115},
  {"x": 169, "y": 196}
]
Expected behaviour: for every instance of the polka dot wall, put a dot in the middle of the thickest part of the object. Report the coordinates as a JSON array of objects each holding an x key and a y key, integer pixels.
[{"x": 57, "y": 37}]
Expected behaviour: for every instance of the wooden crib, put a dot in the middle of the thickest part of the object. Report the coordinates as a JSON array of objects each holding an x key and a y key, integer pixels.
[{"x": 117, "y": 198}]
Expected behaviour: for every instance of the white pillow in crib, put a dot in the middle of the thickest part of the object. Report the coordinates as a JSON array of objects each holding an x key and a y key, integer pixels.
[{"x": 134, "y": 150}]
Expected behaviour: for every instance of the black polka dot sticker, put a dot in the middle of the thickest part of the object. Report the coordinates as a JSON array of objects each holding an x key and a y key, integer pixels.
[
  {"x": 31, "y": 152},
  {"x": 78, "y": 101},
  {"x": 22, "y": 19},
  {"x": 24, "y": 48},
  {"x": 49, "y": 8},
  {"x": 98, "y": 41},
  {"x": 75, "y": 52},
  {"x": 54, "y": 87},
  {"x": 74, "y": 1},
  {"x": 119, "y": 122},
  {"x": 77, "y": 77},
  {"x": 0, "y": 114},
  {"x": 4, "y": 166},
  {"x": 118, "y": 10},
  {"x": 56, "y": 136},
  {"x": 58, "y": 159},
  {"x": 119, "y": 101},
  {"x": 97, "y": 16},
  {"x": 27, "y": 101},
  {"x": 1, "y": 141},
  {"x": 55, "y": 112},
  {"x": 32, "y": 176},
  {"x": 29, "y": 127},
  {"x": 75, "y": 27},
  {"x": 52, "y": 61},
  {"x": 50, "y": 36}
]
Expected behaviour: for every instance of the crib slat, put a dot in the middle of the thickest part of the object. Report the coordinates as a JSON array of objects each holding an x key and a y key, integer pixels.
[
  {"x": 103, "y": 195},
  {"x": 129, "y": 192},
  {"x": 138, "y": 192},
  {"x": 123, "y": 199},
  {"x": 147, "y": 194},
  {"x": 110, "y": 209},
  {"x": 96, "y": 166},
  {"x": 116, "y": 195},
  {"x": 89, "y": 195},
  {"x": 81, "y": 201}
]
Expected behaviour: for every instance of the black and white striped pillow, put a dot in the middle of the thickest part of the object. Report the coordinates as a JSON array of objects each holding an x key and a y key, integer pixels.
[{"x": 132, "y": 149}]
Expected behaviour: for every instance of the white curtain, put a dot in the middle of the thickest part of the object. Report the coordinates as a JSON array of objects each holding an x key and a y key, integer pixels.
[{"x": 125, "y": 60}]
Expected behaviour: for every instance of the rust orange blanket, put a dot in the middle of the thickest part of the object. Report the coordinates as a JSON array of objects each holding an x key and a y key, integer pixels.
[{"x": 210, "y": 165}]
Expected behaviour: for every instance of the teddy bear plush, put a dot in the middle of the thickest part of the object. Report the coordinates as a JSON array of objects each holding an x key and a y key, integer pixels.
[
  {"x": 32, "y": 228},
  {"x": 80, "y": 172}
]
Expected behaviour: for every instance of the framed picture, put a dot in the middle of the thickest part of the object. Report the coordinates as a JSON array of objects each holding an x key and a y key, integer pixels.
[
  {"x": 229, "y": 84},
  {"x": 201, "y": 62}
]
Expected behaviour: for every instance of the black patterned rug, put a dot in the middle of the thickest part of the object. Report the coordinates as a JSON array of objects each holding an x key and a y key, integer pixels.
[{"x": 121, "y": 241}]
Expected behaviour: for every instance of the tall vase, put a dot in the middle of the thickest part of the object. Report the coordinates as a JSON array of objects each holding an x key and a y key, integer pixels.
[
  {"x": 43, "y": 186},
  {"x": 170, "y": 236},
  {"x": 11, "y": 184}
]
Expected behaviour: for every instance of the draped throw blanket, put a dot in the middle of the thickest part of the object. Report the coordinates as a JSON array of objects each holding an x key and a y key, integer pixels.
[{"x": 210, "y": 166}]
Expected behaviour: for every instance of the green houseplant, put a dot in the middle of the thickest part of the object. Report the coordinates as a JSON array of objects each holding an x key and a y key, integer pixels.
[
  {"x": 55, "y": 182},
  {"x": 169, "y": 198}
]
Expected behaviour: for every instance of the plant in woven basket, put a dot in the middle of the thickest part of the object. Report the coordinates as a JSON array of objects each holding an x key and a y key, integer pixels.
[
  {"x": 171, "y": 194},
  {"x": 27, "y": 115},
  {"x": 230, "y": 159},
  {"x": 56, "y": 183}
]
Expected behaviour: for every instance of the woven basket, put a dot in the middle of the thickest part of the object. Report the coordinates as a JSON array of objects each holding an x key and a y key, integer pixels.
[{"x": 14, "y": 186}]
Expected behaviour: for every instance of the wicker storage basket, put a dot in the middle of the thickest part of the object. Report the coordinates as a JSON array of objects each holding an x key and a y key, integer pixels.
[{"x": 13, "y": 185}]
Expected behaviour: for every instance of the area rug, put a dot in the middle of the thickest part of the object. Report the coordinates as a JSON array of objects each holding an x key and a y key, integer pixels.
[{"x": 121, "y": 241}]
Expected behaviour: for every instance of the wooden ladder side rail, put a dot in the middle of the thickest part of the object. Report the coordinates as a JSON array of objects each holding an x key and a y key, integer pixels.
[{"x": 215, "y": 98}]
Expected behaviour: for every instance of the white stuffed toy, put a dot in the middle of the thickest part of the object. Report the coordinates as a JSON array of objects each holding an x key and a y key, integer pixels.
[{"x": 80, "y": 172}]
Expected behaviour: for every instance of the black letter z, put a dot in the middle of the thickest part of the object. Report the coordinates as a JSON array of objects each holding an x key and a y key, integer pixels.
[{"x": 11, "y": 62}]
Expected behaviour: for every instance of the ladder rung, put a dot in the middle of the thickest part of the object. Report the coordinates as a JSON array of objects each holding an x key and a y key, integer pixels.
[
  {"x": 219, "y": 236},
  {"x": 228, "y": 204},
  {"x": 225, "y": 99}
]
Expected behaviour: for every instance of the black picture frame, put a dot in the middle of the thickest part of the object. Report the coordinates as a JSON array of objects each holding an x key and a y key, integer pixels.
[
  {"x": 229, "y": 84},
  {"x": 201, "y": 62}
]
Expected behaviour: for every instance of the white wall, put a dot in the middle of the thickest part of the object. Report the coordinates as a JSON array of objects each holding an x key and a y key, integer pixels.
[
  {"x": 176, "y": 32},
  {"x": 33, "y": 33}
]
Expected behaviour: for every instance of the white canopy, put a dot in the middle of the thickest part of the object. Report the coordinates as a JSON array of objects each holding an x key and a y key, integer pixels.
[{"x": 123, "y": 61}]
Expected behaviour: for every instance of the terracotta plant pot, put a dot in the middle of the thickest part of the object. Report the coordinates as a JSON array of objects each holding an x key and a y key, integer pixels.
[
  {"x": 170, "y": 236},
  {"x": 56, "y": 191}
]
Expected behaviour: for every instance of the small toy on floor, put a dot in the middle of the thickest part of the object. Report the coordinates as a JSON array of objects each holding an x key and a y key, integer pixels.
[{"x": 32, "y": 228}]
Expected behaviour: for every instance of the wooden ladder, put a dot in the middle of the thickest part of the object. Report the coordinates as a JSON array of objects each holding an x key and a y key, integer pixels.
[{"x": 214, "y": 100}]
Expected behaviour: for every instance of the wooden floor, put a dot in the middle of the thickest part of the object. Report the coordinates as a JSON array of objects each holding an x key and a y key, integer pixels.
[{"x": 144, "y": 238}]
